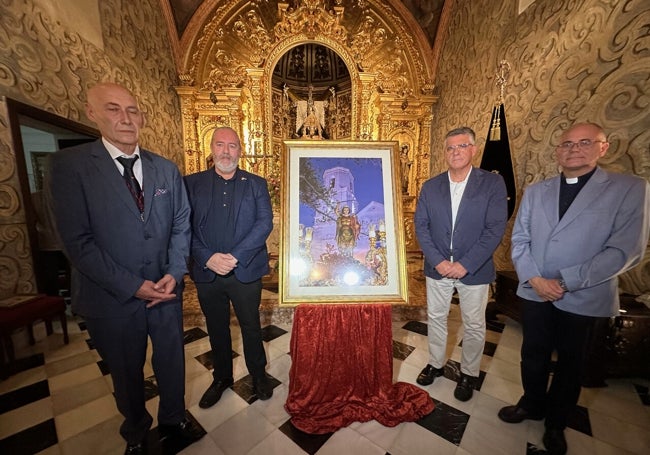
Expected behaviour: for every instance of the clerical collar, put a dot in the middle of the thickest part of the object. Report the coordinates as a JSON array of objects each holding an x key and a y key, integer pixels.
[{"x": 582, "y": 179}]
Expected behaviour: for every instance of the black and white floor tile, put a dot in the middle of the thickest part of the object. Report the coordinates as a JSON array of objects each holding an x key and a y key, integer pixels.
[{"x": 59, "y": 402}]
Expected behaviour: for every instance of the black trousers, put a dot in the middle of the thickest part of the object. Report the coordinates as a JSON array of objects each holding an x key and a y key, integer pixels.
[
  {"x": 215, "y": 299},
  {"x": 122, "y": 344},
  {"x": 547, "y": 329}
]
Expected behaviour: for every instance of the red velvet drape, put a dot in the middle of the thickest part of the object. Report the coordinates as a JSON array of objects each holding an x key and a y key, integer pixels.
[{"x": 342, "y": 369}]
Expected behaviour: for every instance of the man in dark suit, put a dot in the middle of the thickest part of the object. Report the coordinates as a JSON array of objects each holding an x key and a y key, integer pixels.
[
  {"x": 128, "y": 248},
  {"x": 460, "y": 219},
  {"x": 231, "y": 220}
]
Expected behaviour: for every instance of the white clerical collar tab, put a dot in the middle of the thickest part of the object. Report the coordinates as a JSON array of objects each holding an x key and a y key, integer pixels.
[{"x": 572, "y": 180}]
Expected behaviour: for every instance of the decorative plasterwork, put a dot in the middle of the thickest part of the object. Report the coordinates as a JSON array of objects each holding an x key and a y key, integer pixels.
[
  {"x": 310, "y": 19},
  {"x": 371, "y": 30}
]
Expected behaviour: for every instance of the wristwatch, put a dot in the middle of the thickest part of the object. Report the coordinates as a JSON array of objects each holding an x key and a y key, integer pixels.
[{"x": 563, "y": 285}]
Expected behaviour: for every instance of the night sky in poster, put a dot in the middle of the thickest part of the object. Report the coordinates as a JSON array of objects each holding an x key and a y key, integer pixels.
[{"x": 368, "y": 180}]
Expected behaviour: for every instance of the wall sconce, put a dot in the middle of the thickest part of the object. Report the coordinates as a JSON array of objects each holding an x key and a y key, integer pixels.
[{"x": 213, "y": 97}]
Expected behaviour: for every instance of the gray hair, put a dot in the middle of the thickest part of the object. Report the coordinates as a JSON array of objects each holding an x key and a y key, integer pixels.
[{"x": 462, "y": 130}]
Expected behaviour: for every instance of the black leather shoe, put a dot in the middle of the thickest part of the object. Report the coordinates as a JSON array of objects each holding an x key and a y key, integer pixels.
[
  {"x": 263, "y": 388},
  {"x": 428, "y": 374},
  {"x": 465, "y": 387},
  {"x": 184, "y": 431},
  {"x": 134, "y": 449},
  {"x": 554, "y": 441},
  {"x": 214, "y": 392},
  {"x": 516, "y": 414}
]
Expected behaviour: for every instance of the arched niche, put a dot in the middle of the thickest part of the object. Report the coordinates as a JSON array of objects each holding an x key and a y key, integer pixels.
[{"x": 311, "y": 95}]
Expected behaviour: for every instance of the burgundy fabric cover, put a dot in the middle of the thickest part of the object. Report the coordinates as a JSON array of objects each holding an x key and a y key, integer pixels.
[{"x": 342, "y": 369}]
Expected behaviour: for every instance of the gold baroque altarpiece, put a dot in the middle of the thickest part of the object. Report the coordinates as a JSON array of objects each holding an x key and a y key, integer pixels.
[{"x": 228, "y": 80}]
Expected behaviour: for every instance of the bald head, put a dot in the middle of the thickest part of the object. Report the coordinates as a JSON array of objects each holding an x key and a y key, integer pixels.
[
  {"x": 580, "y": 148},
  {"x": 115, "y": 111}
]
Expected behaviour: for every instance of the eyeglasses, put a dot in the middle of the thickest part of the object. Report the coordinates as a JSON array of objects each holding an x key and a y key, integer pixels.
[
  {"x": 582, "y": 144},
  {"x": 451, "y": 148}
]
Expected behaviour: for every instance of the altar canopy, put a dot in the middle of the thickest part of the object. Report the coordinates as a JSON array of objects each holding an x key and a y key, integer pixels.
[{"x": 342, "y": 369}]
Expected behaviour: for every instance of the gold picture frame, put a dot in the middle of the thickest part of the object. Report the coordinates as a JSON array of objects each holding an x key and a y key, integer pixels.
[{"x": 341, "y": 236}]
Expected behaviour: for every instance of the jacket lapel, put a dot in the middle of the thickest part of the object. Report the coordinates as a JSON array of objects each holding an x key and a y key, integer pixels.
[
  {"x": 204, "y": 192},
  {"x": 241, "y": 187},
  {"x": 110, "y": 173},
  {"x": 149, "y": 179},
  {"x": 472, "y": 186},
  {"x": 586, "y": 197},
  {"x": 550, "y": 198}
]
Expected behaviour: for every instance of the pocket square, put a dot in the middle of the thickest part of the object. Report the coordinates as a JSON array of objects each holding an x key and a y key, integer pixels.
[{"x": 160, "y": 192}]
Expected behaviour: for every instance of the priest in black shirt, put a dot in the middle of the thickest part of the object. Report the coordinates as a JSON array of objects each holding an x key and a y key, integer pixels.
[{"x": 574, "y": 234}]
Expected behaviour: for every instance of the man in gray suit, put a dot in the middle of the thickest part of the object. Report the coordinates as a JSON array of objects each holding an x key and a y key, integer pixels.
[
  {"x": 460, "y": 219},
  {"x": 574, "y": 234},
  {"x": 127, "y": 238}
]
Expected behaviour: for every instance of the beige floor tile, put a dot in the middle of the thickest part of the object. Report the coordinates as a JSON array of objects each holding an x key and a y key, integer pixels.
[
  {"x": 70, "y": 363},
  {"x": 70, "y": 398},
  {"x": 103, "y": 438},
  {"x": 25, "y": 417},
  {"x": 84, "y": 417},
  {"x": 74, "y": 378}
]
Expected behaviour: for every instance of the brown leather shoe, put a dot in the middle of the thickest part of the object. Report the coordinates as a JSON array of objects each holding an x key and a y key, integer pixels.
[{"x": 516, "y": 414}]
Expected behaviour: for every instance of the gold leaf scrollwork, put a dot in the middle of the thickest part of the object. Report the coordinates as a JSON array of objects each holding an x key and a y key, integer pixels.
[
  {"x": 368, "y": 36},
  {"x": 251, "y": 30},
  {"x": 225, "y": 72},
  {"x": 391, "y": 77},
  {"x": 312, "y": 19}
]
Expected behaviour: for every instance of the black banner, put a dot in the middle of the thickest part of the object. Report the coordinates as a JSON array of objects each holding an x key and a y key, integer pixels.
[{"x": 496, "y": 156}]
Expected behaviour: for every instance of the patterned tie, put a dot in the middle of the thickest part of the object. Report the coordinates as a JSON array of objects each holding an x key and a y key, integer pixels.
[{"x": 131, "y": 181}]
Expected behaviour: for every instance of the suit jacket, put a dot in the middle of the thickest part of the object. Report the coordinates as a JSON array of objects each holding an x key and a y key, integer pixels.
[
  {"x": 480, "y": 224},
  {"x": 602, "y": 234},
  {"x": 112, "y": 250},
  {"x": 253, "y": 218}
]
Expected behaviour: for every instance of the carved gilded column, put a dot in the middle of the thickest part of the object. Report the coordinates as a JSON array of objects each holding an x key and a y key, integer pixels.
[
  {"x": 365, "y": 111},
  {"x": 191, "y": 148}
]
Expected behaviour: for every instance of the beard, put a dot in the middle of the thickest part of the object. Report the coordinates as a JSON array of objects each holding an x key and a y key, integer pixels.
[{"x": 226, "y": 168}]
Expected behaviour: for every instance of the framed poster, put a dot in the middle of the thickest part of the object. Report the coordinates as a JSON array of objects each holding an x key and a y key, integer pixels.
[{"x": 342, "y": 239}]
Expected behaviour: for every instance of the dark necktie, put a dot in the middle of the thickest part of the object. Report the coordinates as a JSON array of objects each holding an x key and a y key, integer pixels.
[{"x": 131, "y": 181}]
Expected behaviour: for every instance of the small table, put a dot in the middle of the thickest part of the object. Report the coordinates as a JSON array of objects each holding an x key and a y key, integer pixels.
[{"x": 22, "y": 311}]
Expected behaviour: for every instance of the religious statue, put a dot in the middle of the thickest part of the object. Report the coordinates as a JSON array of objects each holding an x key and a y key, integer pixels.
[
  {"x": 405, "y": 165},
  {"x": 347, "y": 230},
  {"x": 310, "y": 117}
]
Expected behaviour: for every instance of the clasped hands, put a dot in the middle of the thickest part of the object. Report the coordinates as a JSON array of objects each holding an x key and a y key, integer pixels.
[
  {"x": 154, "y": 293},
  {"x": 453, "y": 270},
  {"x": 222, "y": 263},
  {"x": 547, "y": 289}
]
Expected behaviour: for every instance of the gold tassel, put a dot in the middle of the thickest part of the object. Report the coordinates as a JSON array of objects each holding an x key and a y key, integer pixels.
[{"x": 495, "y": 130}]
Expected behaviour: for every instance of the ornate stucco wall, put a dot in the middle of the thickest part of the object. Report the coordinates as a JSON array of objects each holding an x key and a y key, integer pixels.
[
  {"x": 48, "y": 64},
  {"x": 571, "y": 60}
]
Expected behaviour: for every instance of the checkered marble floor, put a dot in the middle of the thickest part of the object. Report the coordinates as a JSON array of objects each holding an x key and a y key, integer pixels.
[{"x": 60, "y": 402}]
